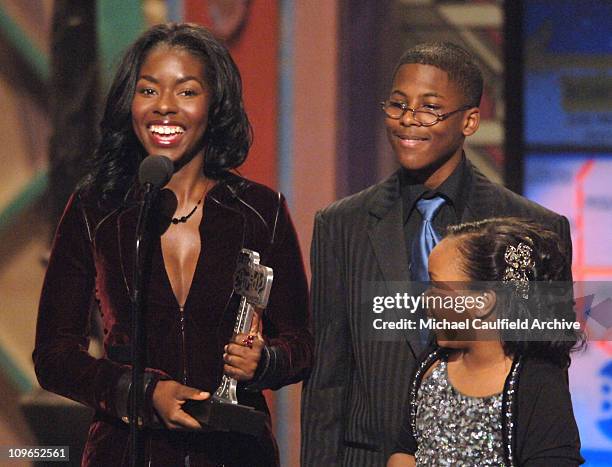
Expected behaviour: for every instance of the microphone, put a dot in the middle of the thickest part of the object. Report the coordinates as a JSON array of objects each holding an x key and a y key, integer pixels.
[{"x": 155, "y": 171}]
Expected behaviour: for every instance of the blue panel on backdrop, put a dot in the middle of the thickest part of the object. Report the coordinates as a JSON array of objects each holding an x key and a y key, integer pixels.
[
  {"x": 568, "y": 72},
  {"x": 571, "y": 26}
]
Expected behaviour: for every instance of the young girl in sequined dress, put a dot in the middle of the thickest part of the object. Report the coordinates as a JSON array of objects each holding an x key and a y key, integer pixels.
[{"x": 488, "y": 394}]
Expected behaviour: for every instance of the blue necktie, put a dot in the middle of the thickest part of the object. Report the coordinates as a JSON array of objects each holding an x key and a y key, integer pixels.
[
  {"x": 426, "y": 237},
  {"x": 424, "y": 241}
]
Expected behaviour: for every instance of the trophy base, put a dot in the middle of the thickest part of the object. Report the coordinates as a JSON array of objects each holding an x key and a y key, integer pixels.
[{"x": 218, "y": 415}]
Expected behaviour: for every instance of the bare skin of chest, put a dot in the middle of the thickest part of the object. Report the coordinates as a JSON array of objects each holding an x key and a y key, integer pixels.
[{"x": 181, "y": 245}]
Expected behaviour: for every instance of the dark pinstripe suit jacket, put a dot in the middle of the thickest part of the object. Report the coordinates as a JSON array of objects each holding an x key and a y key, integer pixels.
[{"x": 353, "y": 402}]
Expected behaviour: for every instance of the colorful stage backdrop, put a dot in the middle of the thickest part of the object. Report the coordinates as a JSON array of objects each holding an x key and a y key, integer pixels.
[{"x": 567, "y": 110}]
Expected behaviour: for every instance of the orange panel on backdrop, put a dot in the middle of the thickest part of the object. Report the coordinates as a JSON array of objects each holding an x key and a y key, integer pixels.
[{"x": 256, "y": 53}]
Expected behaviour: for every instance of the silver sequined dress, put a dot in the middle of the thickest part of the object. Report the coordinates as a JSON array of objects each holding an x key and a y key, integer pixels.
[{"x": 454, "y": 429}]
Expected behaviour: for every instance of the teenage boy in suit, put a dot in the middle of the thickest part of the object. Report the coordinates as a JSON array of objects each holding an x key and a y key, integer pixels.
[{"x": 353, "y": 403}]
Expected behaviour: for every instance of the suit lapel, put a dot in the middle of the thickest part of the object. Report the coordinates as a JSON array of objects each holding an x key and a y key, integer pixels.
[
  {"x": 224, "y": 232},
  {"x": 126, "y": 234},
  {"x": 481, "y": 202},
  {"x": 386, "y": 233},
  {"x": 389, "y": 245}
]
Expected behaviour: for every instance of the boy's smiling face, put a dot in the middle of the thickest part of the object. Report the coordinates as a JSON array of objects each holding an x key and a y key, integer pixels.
[{"x": 431, "y": 152}]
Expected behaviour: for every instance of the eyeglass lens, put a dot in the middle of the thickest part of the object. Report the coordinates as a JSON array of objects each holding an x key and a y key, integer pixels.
[{"x": 397, "y": 110}]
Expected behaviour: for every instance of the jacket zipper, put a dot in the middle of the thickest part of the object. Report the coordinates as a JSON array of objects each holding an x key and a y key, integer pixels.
[
  {"x": 183, "y": 345},
  {"x": 187, "y": 461}
]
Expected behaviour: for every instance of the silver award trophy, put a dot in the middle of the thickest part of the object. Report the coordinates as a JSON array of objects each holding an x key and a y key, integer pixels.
[{"x": 222, "y": 412}]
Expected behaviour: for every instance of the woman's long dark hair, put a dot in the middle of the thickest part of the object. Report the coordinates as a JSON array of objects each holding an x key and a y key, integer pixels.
[
  {"x": 228, "y": 135},
  {"x": 483, "y": 245}
]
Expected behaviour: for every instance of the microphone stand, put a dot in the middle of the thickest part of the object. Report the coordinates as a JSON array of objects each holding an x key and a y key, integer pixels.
[{"x": 138, "y": 341}]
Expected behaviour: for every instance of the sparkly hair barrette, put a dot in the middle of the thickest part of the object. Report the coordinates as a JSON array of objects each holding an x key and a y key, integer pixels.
[{"x": 519, "y": 260}]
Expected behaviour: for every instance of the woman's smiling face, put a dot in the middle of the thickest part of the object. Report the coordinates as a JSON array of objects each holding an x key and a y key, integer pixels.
[{"x": 171, "y": 103}]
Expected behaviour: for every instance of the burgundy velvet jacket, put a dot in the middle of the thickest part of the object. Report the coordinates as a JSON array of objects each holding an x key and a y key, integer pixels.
[{"x": 93, "y": 255}]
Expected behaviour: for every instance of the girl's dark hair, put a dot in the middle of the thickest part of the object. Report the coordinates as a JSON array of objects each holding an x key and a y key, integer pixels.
[
  {"x": 483, "y": 246},
  {"x": 228, "y": 135}
]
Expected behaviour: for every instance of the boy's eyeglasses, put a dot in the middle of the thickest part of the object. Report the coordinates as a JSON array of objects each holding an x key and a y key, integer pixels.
[{"x": 423, "y": 115}]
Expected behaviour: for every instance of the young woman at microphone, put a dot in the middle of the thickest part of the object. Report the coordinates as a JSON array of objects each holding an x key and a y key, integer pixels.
[{"x": 177, "y": 93}]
